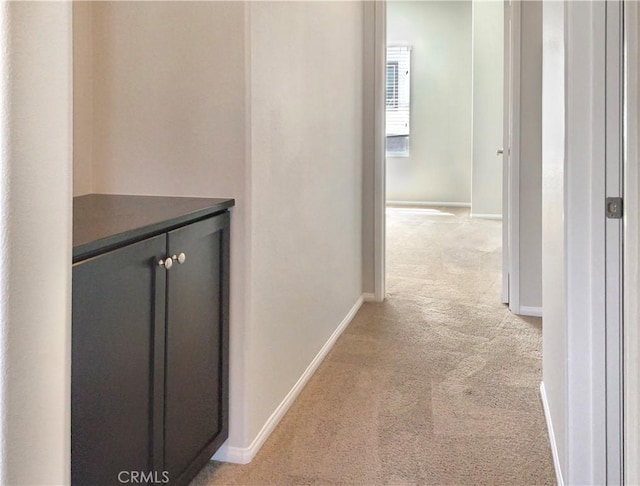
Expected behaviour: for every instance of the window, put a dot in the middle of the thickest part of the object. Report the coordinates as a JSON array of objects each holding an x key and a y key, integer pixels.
[
  {"x": 398, "y": 101},
  {"x": 392, "y": 85}
]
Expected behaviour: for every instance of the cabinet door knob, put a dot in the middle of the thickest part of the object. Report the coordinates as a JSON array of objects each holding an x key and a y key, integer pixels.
[
  {"x": 181, "y": 258},
  {"x": 166, "y": 263}
]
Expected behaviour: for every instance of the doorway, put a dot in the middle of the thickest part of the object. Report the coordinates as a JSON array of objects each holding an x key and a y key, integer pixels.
[
  {"x": 521, "y": 158},
  {"x": 444, "y": 97},
  {"x": 445, "y": 291}
]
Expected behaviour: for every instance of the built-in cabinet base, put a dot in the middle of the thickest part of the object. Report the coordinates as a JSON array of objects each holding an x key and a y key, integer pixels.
[{"x": 150, "y": 347}]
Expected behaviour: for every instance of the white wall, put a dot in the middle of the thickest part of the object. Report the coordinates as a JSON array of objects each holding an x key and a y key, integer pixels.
[
  {"x": 487, "y": 87},
  {"x": 439, "y": 166},
  {"x": 82, "y": 98},
  {"x": 531, "y": 155},
  {"x": 35, "y": 241},
  {"x": 169, "y": 97},
  {"x": 306, "y": 152},
  {"x": 554, "y": 325},
  {"x": 169, "y": 117}
]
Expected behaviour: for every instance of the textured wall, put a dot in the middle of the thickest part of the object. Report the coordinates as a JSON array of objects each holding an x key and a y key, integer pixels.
[
  {"x": 82, "y": 98},
  {"x": 35, "y": 242}
]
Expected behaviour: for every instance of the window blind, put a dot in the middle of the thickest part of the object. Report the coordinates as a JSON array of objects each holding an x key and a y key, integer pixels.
[{"x": 398, "y": 90}]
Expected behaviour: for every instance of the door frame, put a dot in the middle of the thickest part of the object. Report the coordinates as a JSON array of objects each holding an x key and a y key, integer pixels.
[
  {"x": 631, "y": 242},
  {"x": 379, "y": 150},
  {"x": 592, "y": 156},
  {"x": 511, "y": 157}
]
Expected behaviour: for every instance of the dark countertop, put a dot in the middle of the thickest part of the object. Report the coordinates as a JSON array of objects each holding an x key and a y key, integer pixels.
[{"x": 103, "y": 222}]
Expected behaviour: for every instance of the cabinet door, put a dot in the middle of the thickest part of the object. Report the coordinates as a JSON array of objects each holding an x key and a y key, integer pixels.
[
  {"x": 196, "y": 384},
  {"x": 118, "y": 307}
]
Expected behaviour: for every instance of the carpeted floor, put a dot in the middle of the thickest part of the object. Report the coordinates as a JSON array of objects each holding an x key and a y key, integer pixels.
[{"x": 437, "y": 385}]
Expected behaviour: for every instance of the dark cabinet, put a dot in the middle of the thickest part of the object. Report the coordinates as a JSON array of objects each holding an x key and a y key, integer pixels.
[
  {"x": 116, "y": 313},
  {"x": 150, "y": 357},
  {"x": 195, "y": 350}
]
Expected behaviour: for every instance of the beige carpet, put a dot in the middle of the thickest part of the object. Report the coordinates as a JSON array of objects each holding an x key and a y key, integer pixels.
[{"x": 437, "y": 385}]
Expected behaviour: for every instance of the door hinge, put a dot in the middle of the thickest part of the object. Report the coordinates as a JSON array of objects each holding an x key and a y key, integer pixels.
[{"x": 613, "y": 207}]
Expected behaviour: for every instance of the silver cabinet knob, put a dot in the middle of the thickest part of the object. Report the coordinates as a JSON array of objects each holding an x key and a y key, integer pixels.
[
  {"x": 180, "y": 258},
  {"x": 166, "y": 263},
  {"x": 499, "y": 151}
]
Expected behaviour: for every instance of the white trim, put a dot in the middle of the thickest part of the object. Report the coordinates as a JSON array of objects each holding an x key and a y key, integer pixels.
[
  {"x": 369, "y": 297},
  {"x": 379, "y": 172},
  {"x": 552, "y": 437},
  {"x": 430, "y": 204},
  {"x": 631, "y": 244},
  {"x": 584, "y": 250},
  {"x": 244, "y": 455},
  {"x": 496, "y": 217},
  {"x": 530, "y": 311},
  {"x": 236, "y": 455}
]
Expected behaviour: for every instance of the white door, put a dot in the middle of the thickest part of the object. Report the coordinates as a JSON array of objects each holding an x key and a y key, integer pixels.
[
  {"x": 506, "y": 149},
  {"x": 510, "y": 156}
]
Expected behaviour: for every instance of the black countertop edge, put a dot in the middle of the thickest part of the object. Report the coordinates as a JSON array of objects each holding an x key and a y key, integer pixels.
[{"x": 117, "y": 240}]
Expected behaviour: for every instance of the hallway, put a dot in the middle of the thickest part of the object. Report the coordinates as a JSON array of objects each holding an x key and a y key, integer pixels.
[{"x": 437, "y": 385}]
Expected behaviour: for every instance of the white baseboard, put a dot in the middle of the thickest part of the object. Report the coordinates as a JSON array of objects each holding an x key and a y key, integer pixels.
[
  {"x": 236, "y": 455},
  {"x": 530, "y": 311},
  {"x": 369, "y": 297},
  {"x": 497, "y": 217},
  {"x": 244, "y": 455},
  {"x": 552, "y": 437},
  {"x": 430, "y": 204}
]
